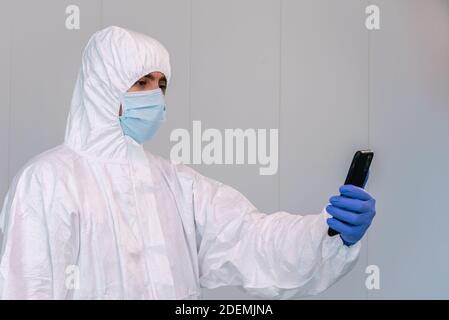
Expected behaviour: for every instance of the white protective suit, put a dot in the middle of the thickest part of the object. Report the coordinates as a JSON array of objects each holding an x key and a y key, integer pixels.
[{"x": 100, "y": 218}]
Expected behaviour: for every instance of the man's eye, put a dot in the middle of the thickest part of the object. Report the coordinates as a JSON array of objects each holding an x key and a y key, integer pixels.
[{"x": 141, "y": 83}]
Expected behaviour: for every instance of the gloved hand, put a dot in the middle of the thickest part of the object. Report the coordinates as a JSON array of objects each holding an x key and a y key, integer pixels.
[{"x": 352, "y": 213}]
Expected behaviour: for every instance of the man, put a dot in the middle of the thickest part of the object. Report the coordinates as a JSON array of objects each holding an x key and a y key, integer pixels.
[{"x": 100, "y": 218}]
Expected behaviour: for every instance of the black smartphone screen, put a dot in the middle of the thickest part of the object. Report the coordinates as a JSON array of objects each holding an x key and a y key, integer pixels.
[
  {"x": 357, "y": 174},
  {"x": 358, "y": 170}
]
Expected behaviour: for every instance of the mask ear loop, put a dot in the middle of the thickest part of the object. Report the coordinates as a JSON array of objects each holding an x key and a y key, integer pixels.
[
  {"x": 121, "y": 113},
  {"x": 120, "y": 106}
]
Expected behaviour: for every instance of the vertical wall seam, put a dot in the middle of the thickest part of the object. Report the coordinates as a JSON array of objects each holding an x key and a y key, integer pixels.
[
  {"x": 368, "y": 133},
  {"x": 279, "y": 105},
  {"x": 10, "y": 41},
  {"x": 190, "y": 63}
]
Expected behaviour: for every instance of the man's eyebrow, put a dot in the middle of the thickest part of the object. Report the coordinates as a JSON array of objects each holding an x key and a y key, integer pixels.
[{"x": 150, "y": 76}]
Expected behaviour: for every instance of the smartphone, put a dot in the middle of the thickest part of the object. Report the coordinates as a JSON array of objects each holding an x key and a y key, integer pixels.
[{"x": 357, "y": 174}]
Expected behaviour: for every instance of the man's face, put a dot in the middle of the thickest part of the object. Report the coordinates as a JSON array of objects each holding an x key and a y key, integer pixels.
[{"x": 151, "y": 81}]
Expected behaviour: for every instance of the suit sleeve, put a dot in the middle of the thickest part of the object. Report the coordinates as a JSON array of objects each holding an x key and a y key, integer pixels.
[{"x": 273, "y": 256}]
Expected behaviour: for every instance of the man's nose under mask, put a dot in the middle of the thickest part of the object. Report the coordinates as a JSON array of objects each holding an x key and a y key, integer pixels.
[{"x": 143, "y": 114}]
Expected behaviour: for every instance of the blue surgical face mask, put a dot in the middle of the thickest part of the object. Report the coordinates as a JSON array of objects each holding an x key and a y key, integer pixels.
[{"x": 143, "y": 112}]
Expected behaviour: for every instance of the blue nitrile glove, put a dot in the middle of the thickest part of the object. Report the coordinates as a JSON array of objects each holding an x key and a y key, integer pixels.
[{"x": 352, "y": 213}]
